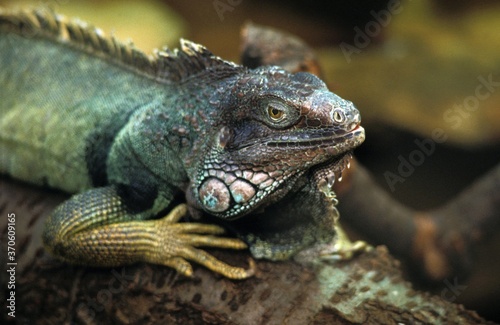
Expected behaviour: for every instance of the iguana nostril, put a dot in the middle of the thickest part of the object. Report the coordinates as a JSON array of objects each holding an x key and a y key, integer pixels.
[{"x": 338, "y": 116}]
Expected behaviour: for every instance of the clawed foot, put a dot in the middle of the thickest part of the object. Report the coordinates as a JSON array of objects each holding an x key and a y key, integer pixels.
[
  {"x": 178, "y": 241},
  {"x": 344, "y": 249}
]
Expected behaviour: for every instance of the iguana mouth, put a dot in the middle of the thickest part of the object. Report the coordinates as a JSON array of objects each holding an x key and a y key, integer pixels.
[
  {"x": 325, "y": 174},
  {"x": 325, "y": 139}
]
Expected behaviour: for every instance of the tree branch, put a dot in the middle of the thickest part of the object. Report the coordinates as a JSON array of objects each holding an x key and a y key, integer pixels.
[{"x": 367, "y": 289}]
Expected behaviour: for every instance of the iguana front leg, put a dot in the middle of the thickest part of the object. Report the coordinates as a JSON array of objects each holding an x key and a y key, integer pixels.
[{"x": 95, "y": 228}]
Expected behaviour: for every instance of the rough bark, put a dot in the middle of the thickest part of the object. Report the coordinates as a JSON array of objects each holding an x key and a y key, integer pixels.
[
  {"x": 366, "y": 289},
  {"x": 440, "y": 242}
]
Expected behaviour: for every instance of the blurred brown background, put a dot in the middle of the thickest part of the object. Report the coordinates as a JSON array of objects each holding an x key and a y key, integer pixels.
[{"x": 411, "y": 67}]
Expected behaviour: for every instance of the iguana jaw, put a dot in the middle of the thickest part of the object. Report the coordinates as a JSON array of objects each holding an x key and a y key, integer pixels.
[
  {"x": 232, "y": 189},
  {"x": 325, "y": 174}
]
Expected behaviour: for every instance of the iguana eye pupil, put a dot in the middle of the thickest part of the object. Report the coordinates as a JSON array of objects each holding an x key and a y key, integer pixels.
[{"x": 275, "y": 113}]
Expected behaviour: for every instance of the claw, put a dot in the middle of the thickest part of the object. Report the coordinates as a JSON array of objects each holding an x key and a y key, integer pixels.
[
  {"x": 178, "y": 241},
  {"x": 344, "y": 249}
]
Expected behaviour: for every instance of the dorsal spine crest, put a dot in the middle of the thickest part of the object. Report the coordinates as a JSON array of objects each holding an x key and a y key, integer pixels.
[{"x": 163, "y": 65}]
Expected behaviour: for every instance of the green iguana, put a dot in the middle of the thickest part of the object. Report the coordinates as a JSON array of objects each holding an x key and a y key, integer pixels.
[{"x": 255, "y": 151}]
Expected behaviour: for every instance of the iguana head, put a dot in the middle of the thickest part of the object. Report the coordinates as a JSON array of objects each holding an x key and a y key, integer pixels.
[{"x": 273, "y": 128}]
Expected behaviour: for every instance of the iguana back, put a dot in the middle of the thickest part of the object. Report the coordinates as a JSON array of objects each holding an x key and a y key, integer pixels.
[{"x": 57, "y": 102}]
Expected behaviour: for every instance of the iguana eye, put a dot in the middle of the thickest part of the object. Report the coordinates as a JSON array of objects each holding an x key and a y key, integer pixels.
[{"x": 275, "y": 113}]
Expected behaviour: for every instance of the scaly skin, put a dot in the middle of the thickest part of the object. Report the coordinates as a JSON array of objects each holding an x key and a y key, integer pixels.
[{"x": 253, "y": 150}]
